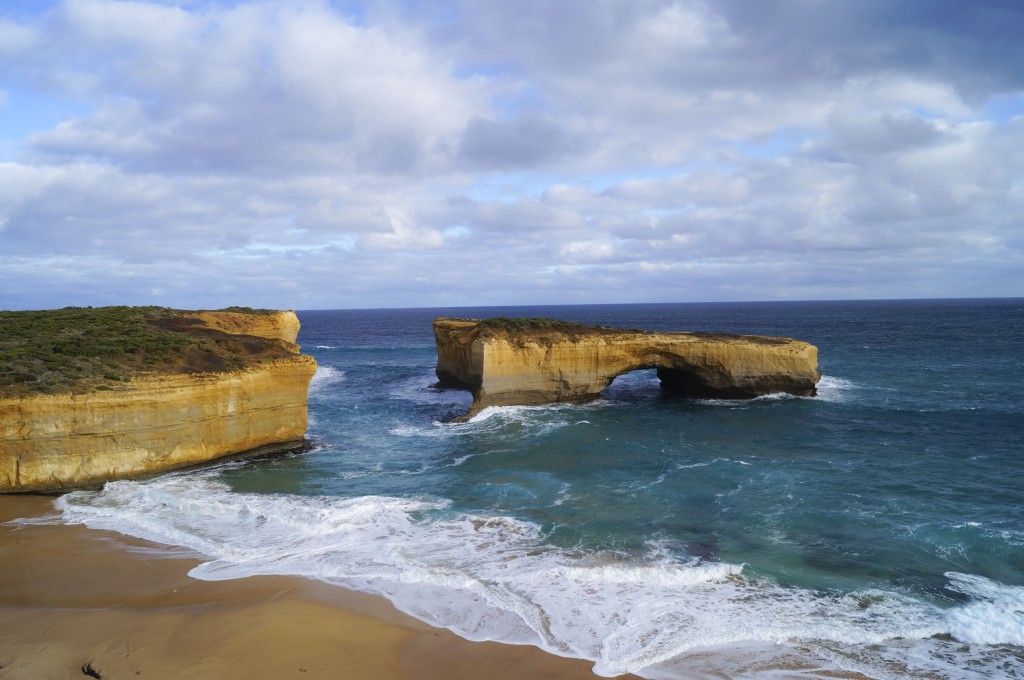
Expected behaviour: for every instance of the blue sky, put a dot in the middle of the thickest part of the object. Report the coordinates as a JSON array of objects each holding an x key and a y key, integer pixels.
[{"x": 397, "y": 154}]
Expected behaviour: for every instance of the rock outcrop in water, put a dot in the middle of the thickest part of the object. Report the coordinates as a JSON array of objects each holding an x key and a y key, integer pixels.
[
  {"x": 507, "y": 362},
  {"x": 247, "y": 399}
]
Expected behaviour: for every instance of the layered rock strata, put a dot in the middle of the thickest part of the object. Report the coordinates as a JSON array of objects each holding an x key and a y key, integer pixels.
[
  {"x": 547, "y": 363},
  {"x": 158, "y": 421}
]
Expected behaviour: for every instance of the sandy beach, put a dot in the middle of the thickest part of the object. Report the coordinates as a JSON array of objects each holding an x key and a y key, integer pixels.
[{"x": 75, "y": 601}]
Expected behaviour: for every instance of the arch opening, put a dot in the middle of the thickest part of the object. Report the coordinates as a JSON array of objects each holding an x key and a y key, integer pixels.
[
  {"x": 654, "y": 382},
  {"x": 641, "y": 384}
]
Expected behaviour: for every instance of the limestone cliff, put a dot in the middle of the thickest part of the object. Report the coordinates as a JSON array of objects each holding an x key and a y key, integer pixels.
[
  {"x": 542, "y": 363},
  {"x": 153, "y": 421},
  {"x": 272, "y": 325}
]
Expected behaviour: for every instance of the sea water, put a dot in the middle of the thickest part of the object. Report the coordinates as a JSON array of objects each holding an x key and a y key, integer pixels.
[{"x": 875, "y": 528}]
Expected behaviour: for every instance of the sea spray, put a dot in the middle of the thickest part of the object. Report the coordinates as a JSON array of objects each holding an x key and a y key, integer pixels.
[{"x": 496, "y": 578}]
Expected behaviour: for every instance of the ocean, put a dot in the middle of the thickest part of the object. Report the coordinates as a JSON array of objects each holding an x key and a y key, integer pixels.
[{"x": 877, "y": 528}]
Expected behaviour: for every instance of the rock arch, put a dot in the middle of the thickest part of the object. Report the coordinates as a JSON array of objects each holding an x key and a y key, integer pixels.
[{"x": 506, "y": 362}]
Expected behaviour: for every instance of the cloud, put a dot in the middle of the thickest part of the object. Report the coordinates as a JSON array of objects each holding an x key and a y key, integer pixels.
[
  {"x": 254, "y": 88},
  {"x": 457, "y": 152},
  {"x": 524, "y": 141}
]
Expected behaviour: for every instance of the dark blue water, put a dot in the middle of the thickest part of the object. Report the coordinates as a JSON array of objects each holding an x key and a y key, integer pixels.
[{"x": 876, "y": 528}]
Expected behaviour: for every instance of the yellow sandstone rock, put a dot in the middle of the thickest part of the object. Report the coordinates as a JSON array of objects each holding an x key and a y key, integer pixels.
[
  {"x": 278, "y": 326},
  {"x": 543, "y": 364},
  {"x": 158, "y": 422}
]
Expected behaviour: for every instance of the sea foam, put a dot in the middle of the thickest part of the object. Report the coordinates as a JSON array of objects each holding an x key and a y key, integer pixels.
[
  {"x": 325, "y": 377},
  {"x": 994, "y": 617},
  {"x": 421, "y": 389},
  {"x": 833, "y": 389},
  {"x": 496, "y": 578}
]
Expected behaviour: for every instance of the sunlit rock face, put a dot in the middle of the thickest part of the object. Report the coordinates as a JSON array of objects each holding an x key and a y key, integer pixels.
[
  {"x": 158, "y": 422},
  {"x": 529, "y": 362}
]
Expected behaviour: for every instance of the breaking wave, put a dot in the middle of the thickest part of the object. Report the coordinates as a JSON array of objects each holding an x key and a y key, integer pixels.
[{"x": 497, "y": 578}]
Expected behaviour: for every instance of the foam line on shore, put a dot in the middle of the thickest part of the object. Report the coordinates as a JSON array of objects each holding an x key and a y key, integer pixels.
[{"x": 496, "y": 578}]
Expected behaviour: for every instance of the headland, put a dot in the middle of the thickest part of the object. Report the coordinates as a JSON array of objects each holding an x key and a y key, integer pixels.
[{"x": 93, "y": 395}]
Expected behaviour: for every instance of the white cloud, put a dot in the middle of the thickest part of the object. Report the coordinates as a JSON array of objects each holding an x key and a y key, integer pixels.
[
  {"x": 679, "y": 27},
  {"x": 253, "y": 88},
  {"x": 16, "y": 38},
  {"x": 283, "y": 154},
  {"x": 405, "y": 235}
]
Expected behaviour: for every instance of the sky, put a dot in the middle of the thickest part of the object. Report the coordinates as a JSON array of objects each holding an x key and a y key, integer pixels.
[{"x": 364, "y": 153}]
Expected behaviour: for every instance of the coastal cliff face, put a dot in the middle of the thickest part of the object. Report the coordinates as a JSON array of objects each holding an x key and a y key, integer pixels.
[
  {"x": 155, "y": 422},
  {"x": 551, "y": 364},
  {"x": 282, "y": 326}
]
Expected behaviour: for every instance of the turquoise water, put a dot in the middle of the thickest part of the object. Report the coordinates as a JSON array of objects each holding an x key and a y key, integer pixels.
[{"x": 877, "y": 527}]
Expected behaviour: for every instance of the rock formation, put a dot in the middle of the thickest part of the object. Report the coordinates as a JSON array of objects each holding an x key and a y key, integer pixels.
[
  {"x": 282, "y": 326},
  {"x": 157, "y": 421},
  {"x": 535, "y": 361}
]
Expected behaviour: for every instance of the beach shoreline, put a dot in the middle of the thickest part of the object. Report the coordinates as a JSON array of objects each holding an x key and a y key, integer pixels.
[{"x": 74, "y": 600}]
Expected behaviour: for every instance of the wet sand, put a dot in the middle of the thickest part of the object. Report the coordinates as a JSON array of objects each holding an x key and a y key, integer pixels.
[{"x": 74, "y": 600}]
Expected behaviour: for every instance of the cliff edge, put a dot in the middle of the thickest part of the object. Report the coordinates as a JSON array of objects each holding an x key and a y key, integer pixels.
[
  {"x": 93, "y": 395},
  {"x": 507, "y": 362}
]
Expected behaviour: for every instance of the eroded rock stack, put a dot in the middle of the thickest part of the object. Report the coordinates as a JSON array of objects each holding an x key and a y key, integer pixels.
[{"x": 538, "y": 361}]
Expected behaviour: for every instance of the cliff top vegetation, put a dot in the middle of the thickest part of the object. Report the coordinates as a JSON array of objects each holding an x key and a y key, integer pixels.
[
  {"x": 541, "y": 328},
  {"x": 519, "y": 324},
  {"x": 86, "y": 348}
]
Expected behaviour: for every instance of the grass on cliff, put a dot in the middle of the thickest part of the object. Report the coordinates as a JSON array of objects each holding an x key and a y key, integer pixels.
[
  {"x": 248, "y": 310},
  {"x": 83, "y": 348},
  {"x": 540, "y": 328},
  {"x": 520, "y": 324}
]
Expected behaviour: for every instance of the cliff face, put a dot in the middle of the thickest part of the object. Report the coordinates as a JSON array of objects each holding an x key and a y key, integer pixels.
[
  {"x": 159, "y": 421},
  {"x": 542, "y": 366},
  {"x": 274, "y": 326}
]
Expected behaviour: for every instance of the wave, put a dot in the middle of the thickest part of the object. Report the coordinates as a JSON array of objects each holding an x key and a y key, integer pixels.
[
  {"x": 420, "y": 389},
  {"x": 830, "y": 389},
  {"x": 833, "y": 389},
  {"x": 994, "y": 617},
  {"x": 325, "y": 377},
  {"x": 496, "y": 578},
  {"x": 511, "y": 413},
  {"x": 523, "y": 421},
  {"x": 520, "y": 420}
]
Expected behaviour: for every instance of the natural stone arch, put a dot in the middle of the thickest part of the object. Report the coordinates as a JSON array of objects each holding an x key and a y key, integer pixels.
[{"x": 537, "y": 361}]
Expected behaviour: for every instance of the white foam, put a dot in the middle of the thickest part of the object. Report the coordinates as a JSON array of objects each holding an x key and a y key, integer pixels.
[
  {"x": 421, "y": 390},
  {"x": 371, "y": 471},
  {"x": 687, "y": 466},
  {"x": 50, "y": 519},
  {"x": 492, "y": 411},
  {"x": 831, "y": 388},
  {"x": 775, "y": 396},
  {"x": 995, "y": 616},
  {"x": 407, "y": 431},
  {"x": 564, "y": 495},
  {"x": 743, "y": 404},
  {"x": 526, "y": 421},
  {"x": 495, "y": 578},
  {"x": 638, "y": 486},
  {"x": 325, "y": 376},
  {"x": 326, "y": 347}
]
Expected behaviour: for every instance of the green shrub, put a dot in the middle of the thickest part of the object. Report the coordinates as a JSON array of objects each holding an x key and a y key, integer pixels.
[
  {"x": 74, "y": 347},
  {"x": 541, "y": 329}
]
